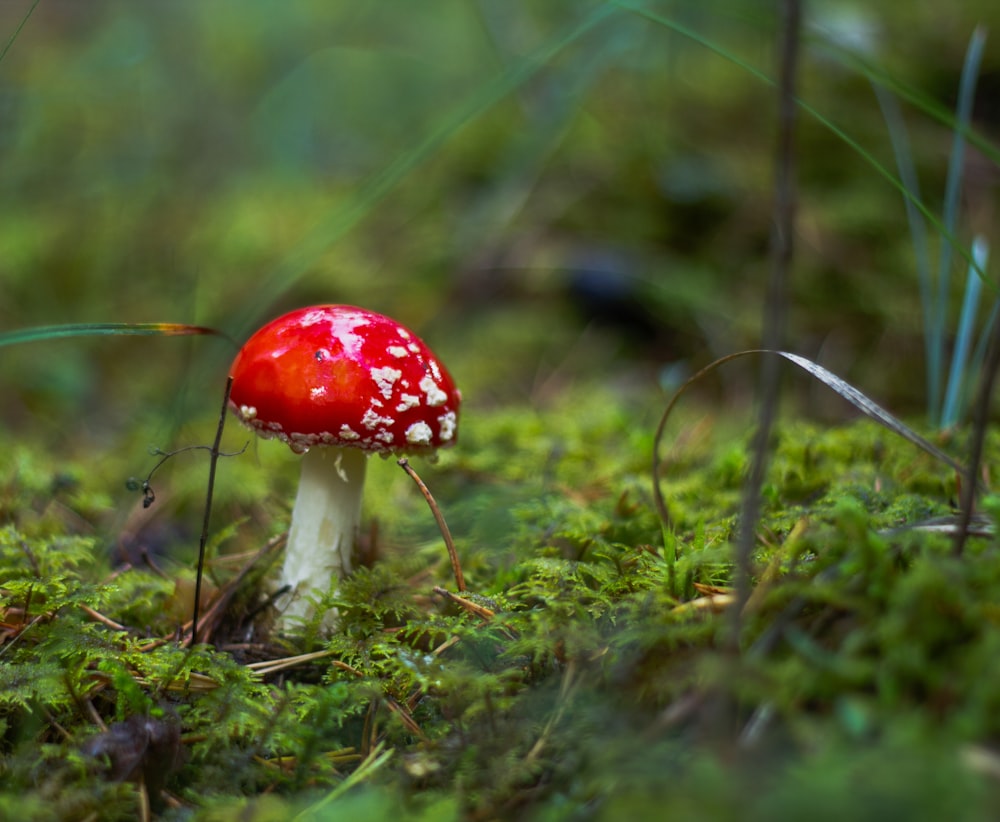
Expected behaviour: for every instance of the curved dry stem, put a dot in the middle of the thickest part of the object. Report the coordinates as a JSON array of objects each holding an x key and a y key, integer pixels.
[{"x": 858, "y": 399}]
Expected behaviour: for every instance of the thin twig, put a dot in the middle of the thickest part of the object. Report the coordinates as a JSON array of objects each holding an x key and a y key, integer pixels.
[
  {"x": 444, "y": 646},
  {"x": 775, "y": 308},
  {"x": 474, "y": 608},
  {"x": 227, "y": 592},
  {"x": 99, "y": 617},
  {"x": 442, "y": 525},
  {"x": 212, "y": 462},
  {"x": 272, "y": 666},
  {"x": 982, "y": 412},
  {"x": 145, "y": 485}
]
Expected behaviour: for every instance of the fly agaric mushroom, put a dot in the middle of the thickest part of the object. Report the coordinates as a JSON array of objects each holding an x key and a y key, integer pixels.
[{"x": 336, "y": 383}]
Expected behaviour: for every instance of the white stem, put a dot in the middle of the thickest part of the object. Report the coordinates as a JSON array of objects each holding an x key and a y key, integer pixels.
[{"x": 325, "y": 523}]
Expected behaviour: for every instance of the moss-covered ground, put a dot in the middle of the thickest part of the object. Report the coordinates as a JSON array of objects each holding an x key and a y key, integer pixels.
[{"x": 590, "y": 677}]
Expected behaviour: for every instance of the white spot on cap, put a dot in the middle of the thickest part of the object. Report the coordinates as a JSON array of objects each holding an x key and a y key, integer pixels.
[
  {"x": 371, "y": 420},
  {"x": 317, "y": 315},
  {"x": 385, "y": 378},
  {"x": 447, "y": 422},
  {"x": 384, "y": 436},
  {"x": 248, "y": 412},
  {"x": 398, "y": 351},
  {"x": 348, "y": 433},
  {"x": 435, "y": 369},
  {"x": 407, "y": 401},
  {"x": 435, "y": 396},
  {"x": 419, "y": 433}
]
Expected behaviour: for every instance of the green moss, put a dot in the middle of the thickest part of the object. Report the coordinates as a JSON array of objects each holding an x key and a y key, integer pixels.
[{"x": 604, "y": 637}]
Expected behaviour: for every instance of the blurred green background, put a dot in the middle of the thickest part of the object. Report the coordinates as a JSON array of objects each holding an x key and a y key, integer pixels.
[{"x": 552, "y": 193}]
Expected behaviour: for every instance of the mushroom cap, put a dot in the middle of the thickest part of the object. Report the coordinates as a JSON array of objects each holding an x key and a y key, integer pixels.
[{"x": 341, "y": 375}]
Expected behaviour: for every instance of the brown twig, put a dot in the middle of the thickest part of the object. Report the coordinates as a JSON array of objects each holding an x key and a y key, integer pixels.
[
  {"x": 229, "y": 589},
  {"x": 448, "y": 541},
  {"x": 444, "y": 646},
  {"x": 336, "y": 663},
  {"x": 222, "y": 599},
  {"x": 474, "y": 608},
  {"x": 99, "y": 617}
]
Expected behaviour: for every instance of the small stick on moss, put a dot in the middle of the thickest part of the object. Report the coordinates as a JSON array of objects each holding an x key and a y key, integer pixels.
[
  {"x": 271, "y": 666},
  {"x": 448, "y": 541},
  {"x": 444, "y": 646},
  {"x": 473, "y": 608},
  {"x": 99, "y": 617},
  {"x": 66, "y": 735}
]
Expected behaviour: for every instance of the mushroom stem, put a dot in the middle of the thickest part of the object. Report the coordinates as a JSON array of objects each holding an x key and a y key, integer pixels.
[{"x": 325, "y": 524}]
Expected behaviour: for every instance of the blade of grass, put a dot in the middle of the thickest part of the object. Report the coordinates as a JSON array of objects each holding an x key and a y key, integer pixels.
[
  {"x": 17, "y": 31},
  {"x": 637, "y": 7},
  {"x": 41, "y": 333},
  {"x": 937, "y": 111},
  {"x": 918, "y": 233},
  {"x": 371, "y": 763},
  {"x": 954, "y": 397},
  {"x": 858, "y": 399},
  {"x": 336, "y": 224},
  {"x": 953, "y": 189},
  {"x": 934, "y": 306},
  {"x": 525, "y": 159}
]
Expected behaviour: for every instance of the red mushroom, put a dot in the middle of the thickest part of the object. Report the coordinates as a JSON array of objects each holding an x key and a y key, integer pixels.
[{"x": 335, "y": 383}]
